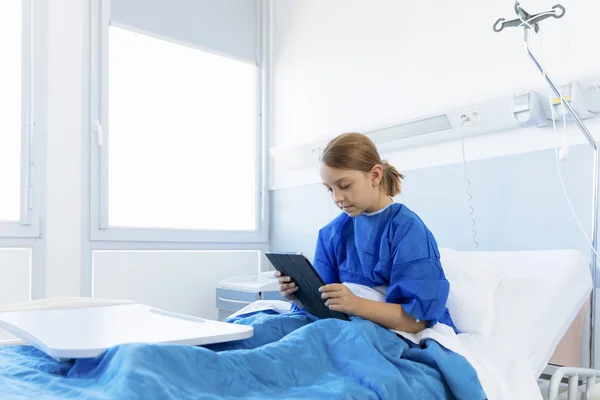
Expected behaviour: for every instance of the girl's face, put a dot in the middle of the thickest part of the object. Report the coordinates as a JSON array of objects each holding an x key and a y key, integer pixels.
[{"x": 353, "y": 191}]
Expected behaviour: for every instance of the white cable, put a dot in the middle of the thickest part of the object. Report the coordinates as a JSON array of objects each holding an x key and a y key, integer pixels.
[
  {"x": 557, "y": 160},
  {"x": 564, "y": 189},
  {"x": 463, "y": 120}
]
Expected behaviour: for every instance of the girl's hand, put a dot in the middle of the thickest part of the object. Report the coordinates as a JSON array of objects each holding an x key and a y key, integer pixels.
[
  {"x": 287, "y": 287},
  {"x": 340, "y": 298}
]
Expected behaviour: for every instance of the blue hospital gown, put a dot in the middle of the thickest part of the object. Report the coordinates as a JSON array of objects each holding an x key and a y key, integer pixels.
[{"x": 393, "y": 248}]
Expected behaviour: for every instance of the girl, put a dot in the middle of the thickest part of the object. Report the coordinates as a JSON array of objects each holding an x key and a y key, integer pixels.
[
  {"x": 376, "y": 243},
  {"x": 383, "y": 249}
]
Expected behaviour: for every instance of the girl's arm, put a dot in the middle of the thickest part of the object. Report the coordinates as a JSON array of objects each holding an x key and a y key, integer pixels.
[
  {"x": 389, "y": 315},
  {"x": 392, "y": 316}
]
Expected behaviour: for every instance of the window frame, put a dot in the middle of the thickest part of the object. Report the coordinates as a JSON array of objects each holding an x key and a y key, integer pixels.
[
  {"x": 99, "y": 137},
  {"x": 32, "y": 101}
]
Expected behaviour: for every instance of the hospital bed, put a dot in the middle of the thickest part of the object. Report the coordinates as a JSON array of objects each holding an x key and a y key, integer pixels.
[{"x": 537, "y": 295}]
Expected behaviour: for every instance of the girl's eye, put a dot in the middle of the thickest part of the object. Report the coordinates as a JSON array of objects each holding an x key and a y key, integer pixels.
[
  {"x": 344, "y": 187},
  {"x": 329, "y": 189}
]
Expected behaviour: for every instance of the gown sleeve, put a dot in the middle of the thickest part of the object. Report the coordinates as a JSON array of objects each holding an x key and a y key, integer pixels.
[
  {"x": 324, "y": 261},
  {"x": 417, "y": 281}
]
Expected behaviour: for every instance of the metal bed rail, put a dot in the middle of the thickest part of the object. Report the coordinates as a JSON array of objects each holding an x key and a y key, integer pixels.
[{"x": 573, "y": 376}]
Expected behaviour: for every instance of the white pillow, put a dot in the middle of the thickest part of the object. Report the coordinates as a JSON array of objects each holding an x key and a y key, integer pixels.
[{"x": 472, "y": 290}]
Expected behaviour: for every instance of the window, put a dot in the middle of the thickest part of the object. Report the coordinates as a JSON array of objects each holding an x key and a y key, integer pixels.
[
  {"x": 10, "y": 109},
  {"x": 17, "y": 151},
  {"x": 179, "y": 134},
  {"x": 182, "y": 131}
]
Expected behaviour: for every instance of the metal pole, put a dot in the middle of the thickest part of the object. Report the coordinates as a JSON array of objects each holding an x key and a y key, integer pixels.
[{"x": 595, "y": 196}]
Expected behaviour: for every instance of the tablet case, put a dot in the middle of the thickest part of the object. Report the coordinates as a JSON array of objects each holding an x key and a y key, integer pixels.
[{"x": 308, "y": 280}]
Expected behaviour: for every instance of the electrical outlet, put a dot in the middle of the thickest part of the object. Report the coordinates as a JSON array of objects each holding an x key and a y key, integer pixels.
[
  {"x": 473, "y": 117},
  {"x": 594, "y": 99}
]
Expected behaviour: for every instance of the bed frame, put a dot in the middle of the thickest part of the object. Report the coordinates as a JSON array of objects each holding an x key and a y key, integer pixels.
[{"x": 574, "y": 377}]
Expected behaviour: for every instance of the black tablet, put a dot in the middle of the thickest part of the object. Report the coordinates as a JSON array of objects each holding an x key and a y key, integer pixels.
[{"x": 308, "y": 280}]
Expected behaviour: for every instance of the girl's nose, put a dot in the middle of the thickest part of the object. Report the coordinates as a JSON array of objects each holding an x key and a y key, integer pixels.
[{"x": 338, "y": 199}]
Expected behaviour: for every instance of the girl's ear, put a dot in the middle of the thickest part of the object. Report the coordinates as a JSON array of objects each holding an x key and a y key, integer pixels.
[{"x": 376, "y": 175}]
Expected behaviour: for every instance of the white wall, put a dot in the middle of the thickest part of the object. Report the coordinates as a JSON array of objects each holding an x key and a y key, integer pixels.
[
  {"x": 178, "y": 281},
  {"x": 344, "y": 65},
  {"x": 15, "y": 285},
  {"x": 16, "y": 264},
  {"x": 67, "y": 22}
]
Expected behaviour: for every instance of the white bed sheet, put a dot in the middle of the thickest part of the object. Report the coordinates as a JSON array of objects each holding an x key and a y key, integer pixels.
[{"x": 539, "y": 296}]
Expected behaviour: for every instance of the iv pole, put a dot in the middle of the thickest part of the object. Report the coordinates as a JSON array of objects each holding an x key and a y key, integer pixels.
[{"x": 528, "y": 21}]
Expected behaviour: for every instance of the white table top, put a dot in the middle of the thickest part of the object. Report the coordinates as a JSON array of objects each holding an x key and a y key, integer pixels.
[{"x": 66, "y": 333}]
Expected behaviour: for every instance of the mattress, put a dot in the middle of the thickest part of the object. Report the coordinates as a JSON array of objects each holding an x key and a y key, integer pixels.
[{"x": 539, "y": 295}]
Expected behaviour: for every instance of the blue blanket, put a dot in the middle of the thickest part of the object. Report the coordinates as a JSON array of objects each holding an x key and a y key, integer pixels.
[{"x": 290, "y": 356}]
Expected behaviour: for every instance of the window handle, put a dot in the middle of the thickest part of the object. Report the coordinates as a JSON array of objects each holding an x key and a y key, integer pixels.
[{"x": 99, "y": 132}]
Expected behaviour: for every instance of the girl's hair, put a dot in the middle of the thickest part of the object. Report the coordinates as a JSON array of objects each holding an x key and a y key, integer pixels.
[{"x": 356, "y": 151}]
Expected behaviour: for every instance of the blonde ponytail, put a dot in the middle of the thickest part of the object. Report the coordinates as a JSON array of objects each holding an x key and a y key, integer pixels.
[{"x": 391, "y": 179}]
